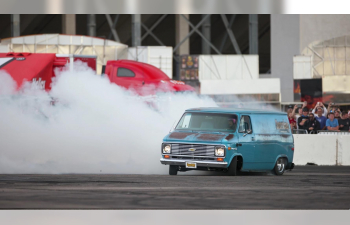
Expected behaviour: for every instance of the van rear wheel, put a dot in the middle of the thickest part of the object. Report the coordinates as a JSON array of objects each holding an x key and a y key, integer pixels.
[
  {"x": 232, "y": 169},
  {"x": 173, "y": 170},
  {"x": 280, "y": 166}
]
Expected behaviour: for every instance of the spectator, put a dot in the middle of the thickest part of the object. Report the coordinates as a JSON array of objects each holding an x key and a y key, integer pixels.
[
  {"x": 320, "y": 105},
  {"x": 300, "y": 112},
  {"x": 330, "y": 107},
  {"x": 321, "y": 118},
  {"x": 344, "y": 122},
  {"x": 332, "y": 123},
  {"x": 292, "y": 110},
  {"x": 337, "y": 114},
  {"x": 292, "y": 121},
  {"x": 313, "y": 124},
  {"x": 303, "y": 119}
]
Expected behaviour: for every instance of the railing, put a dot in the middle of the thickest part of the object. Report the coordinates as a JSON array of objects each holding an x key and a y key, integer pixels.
[
  {"x": 333, "y": 132},
  {"x": 299, "y": 131},
  {"x": 322, "y": 132}
]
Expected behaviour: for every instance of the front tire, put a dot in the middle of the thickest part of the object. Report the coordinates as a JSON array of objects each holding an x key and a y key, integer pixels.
[
  {"x": 280, "y": 166},
  {"x": 173, "y": 170},
  {"x": 232, "y": 169}
]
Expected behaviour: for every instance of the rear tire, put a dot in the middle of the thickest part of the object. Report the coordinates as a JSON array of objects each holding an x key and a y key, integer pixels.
[
  {"x": 173, "y": 170},
  {"x": 280, "y": 166},
  {"x": 232, "y": 169}
]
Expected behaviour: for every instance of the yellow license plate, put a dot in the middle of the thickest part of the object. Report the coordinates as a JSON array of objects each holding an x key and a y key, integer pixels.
[{"x": 191, "y": 165}]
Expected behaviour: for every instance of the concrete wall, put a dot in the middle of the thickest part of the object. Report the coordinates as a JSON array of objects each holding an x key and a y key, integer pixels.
[
  {"x": 322, "y": 149},
  {"x": 322, "y": 27},
  {"x": 254, "y": 86},
  {"x": 285, "y": 43},
  {"x": 228, "y": 67}
]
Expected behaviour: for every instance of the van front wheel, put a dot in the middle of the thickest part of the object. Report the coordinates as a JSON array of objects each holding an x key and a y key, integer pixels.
[
  {"x": 280, "y": 166},
  {"x": 232, "y": 169},
  {"x": 172, "y": 170}
]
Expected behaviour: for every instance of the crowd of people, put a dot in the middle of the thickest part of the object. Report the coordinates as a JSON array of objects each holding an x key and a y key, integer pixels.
[{"x": 318, "y": 118}]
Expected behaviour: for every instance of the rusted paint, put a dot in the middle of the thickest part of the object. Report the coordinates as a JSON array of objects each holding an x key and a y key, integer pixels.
[
  {"x": 201, "y": 137},
  {"x": 271, "y": 135},
  {"x": 229, "y": 137},
  {"x": 179, "y": 135},
  {"x": 285, "y": 135},
  {"x": 210, "y": 137}
]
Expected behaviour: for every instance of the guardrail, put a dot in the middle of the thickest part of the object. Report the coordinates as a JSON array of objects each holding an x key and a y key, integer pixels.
[
  {"x": 333, "y": 132},
  {"x": 299, "y": 131},
  {"x": 325, "y": 132}
]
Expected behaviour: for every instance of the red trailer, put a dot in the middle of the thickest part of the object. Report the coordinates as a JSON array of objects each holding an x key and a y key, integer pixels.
[
  {"x": 144, "y": 78},
  {"x": 90, "y": 60},
  {"x": 33, "y": 67}
]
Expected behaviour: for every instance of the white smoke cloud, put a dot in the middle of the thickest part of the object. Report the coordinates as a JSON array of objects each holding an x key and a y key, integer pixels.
[
  {"x": 94, "y": 127},
  {"x": 7, "y": 84}
]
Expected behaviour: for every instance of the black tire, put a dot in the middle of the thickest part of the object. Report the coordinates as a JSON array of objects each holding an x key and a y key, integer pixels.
[
  {"x": 280, "y": 166},
  {"x": 232, "y": 169},
  {"x": 173, "y": 170}
]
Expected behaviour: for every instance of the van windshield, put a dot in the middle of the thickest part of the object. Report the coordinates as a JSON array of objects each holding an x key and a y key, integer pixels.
[{"x": 208, "y": 122}]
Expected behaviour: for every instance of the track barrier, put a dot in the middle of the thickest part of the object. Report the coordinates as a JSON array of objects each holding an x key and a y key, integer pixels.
[{"x": 325, "y": 148}]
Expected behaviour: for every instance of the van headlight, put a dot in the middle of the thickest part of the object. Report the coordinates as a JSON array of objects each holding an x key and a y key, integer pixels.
[
  {"x": 167, "y": 149},
  {"x": 219, "y": 151}
]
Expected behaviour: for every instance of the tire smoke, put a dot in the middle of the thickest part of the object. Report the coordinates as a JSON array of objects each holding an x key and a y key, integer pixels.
[{"x": 94, "y": 126}]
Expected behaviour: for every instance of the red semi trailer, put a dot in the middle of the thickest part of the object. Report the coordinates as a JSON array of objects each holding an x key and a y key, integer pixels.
[
  {"x": 37, "y": 68},
  {"x": 40, "y": 68}
]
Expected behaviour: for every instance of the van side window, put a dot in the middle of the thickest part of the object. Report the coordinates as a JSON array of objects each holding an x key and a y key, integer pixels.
[
  {"x": 122, "y": 72},
  {"x": 245, "y": 124}
]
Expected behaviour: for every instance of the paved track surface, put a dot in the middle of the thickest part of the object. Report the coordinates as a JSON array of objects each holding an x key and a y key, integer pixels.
[{"x": 306, "y": 187}]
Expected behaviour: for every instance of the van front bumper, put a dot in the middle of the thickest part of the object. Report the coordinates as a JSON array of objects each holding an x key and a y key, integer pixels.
[{"x": 181, "y": 162}]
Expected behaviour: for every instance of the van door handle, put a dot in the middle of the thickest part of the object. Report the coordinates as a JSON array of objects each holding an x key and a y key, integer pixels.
[{"x": 238, "y": 144}]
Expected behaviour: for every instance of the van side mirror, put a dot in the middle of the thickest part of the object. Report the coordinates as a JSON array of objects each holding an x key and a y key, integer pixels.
[{"x": 248, "y": 132}]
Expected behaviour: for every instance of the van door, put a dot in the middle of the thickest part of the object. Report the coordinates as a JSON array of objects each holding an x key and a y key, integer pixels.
[
  {"x": 246, "y": 144},
  {"x": 265, "y": 141}
]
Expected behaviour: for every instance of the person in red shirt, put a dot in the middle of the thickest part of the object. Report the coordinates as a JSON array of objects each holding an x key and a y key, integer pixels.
[{"x": 292, "y": 121}]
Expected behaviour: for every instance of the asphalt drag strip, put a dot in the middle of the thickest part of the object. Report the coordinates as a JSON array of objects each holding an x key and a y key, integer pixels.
[{"x": 306, "y": 187}]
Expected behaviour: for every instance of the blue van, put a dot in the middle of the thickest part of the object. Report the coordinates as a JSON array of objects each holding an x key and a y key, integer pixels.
[{"x": 229, "y": 140}]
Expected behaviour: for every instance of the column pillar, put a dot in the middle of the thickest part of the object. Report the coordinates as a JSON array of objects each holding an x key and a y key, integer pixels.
[
  {"x": 206, "y": 27},
  {"x": 15, "y": 25},
  {"x": 253, "y": 34},
  {"x": 182, "y": 30},
  {"x": 68, "y": 24},
  {"x": 91, "y": 25},
  {"x": 136, "y": 30}
]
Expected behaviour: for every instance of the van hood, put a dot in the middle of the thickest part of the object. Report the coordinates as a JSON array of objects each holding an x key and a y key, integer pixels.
[{"x": 200, "y": 137}]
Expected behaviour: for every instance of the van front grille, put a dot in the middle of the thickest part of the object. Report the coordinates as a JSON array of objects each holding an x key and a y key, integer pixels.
[
  {"x": 194, "y": 158},
  {"x": 192, "y": 150}
]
